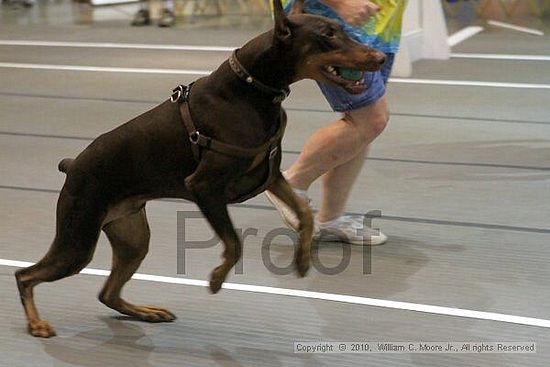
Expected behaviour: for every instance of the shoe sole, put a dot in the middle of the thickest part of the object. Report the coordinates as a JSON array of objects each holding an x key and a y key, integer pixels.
[{"x": 334, "y": 238}]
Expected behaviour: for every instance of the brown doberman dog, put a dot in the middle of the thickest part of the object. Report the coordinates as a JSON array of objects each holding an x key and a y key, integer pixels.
[{"x": 214, "y": 143}]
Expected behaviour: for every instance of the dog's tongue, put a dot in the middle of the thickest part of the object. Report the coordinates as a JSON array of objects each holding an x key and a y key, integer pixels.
[{"x": 350, "y": 74}]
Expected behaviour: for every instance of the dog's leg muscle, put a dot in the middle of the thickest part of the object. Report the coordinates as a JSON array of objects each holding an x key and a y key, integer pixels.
[
  {"x": 129, "y": 237},
  {"x": 283, "y": 191},
  {"x": 208, "y": 187},
  {"x": 78, "y": 226}
]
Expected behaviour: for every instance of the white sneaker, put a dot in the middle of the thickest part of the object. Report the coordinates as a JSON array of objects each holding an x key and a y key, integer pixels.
[
  {"x": 351, "y": 230},
  {"x": 287, "y": 215}
]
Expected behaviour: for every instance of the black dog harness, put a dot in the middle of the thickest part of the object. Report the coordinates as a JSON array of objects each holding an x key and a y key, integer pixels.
[{"x": 199, "y": 141}]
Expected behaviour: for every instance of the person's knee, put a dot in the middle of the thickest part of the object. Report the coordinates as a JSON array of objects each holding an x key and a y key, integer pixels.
[
  {"x": 379, "y": 121},
  {"x": 369, "y": 121}
]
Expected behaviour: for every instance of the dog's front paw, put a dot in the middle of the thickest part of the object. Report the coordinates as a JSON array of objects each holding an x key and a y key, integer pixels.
[
  {"x": 41, "y": 329},
  {"x": 216, "y": 280}
]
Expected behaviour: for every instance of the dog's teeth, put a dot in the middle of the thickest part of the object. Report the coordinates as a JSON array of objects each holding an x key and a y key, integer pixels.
[
  {"x": 330, "y": 69},
  {"x": 334, "y": 72}
]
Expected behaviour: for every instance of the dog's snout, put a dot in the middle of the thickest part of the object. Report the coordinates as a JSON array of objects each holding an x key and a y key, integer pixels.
[
  {"x": 374, "y": 60},
  {"x": 381, "y": 58}
]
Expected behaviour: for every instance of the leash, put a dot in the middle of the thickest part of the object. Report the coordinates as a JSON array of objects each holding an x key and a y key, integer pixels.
[
  {"x": 180, "y": 95},
  {"x": 241, "y": 72}
]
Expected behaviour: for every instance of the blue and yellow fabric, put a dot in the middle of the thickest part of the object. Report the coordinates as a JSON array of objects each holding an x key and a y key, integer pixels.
[{"x": 382, "y": 31}]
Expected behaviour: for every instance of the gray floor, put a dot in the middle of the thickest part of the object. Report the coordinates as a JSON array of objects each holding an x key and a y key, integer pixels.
[{"x": 461, "y": 176}]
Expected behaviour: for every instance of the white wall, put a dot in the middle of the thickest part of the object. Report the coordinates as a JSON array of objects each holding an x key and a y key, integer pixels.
[{"x": 424, "y": 35}]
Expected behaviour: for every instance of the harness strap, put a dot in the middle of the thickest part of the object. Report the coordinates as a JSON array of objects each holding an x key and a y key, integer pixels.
[{"x": 198, "y": 140}]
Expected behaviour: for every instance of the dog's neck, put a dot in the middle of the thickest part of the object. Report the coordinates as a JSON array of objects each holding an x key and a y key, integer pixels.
[
  {"x": 278, "y": 95},
  {"x": 268, "y": 62}
]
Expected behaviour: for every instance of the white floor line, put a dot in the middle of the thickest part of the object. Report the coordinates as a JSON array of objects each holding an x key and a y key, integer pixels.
[
  {"x": 138, "y": 46},
  {"x": 463, "y": 35},
  {"x": 406, "y": 306},
  {"x": 470, "y": 83},
  {"x": 229, "y": 49},
  {"x": 105, "y": 69},
  {"x": 500, "y": 57},
  {"x": 495, "y": 23}
]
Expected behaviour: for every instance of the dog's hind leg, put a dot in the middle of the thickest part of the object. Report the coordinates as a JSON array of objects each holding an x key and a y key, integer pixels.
[
  {"x": 78, "y": 226},
  {"x": 284, "y": 192},
  {"x": 129, "y": 237}
]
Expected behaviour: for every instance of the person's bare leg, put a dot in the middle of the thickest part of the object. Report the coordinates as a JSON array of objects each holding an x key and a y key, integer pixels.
[
  {"x": 328, "y": 147},
  {"x": 337, "y": 185},
  {"x": 338, "y": 181},
  {"x": 337, "y": 151}
]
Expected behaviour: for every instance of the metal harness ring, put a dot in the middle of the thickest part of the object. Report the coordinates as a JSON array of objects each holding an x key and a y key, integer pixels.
[
  {"x": 194, "y": 137},
  {"x": 180, "y": 94},
  {"x": 175, "y": 96}
]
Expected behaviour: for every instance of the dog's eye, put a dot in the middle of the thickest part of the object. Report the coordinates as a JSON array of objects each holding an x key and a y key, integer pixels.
[{"x": 329, "y": 33}]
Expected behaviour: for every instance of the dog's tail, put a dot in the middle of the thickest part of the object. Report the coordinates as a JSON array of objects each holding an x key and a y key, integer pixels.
[{"x": 65, "y": 165}]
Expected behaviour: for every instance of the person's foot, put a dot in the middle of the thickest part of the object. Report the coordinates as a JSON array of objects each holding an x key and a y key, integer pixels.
[
  {"x": 345, "y": 228},
  {"x": 141, "y": 18},
  {"x": 167, "y": 18},
  {"x": 287, "y": 215},
  {"x": 349, "y": 229}
]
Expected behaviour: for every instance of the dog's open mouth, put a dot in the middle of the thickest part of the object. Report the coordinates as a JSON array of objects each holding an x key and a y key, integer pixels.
[{"x": 352, "y": 80}]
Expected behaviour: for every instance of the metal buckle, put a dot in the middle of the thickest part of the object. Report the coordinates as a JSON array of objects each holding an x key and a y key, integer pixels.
[
  {"x": 175, "y": 96},
  {"x": 281, "y": 97},
  {"x": 194, "y": 137},
  {"x": 180, "y": 94},
  {"x": 273, "y": 152}
]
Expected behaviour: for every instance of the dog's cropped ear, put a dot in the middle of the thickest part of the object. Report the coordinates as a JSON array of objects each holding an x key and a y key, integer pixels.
[
  {"x": 298, "y": 7},
  {"x": 282, "y": 28}
]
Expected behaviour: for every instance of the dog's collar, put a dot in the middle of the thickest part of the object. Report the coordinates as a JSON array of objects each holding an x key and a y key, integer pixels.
[{"x": 236, "y": 66}]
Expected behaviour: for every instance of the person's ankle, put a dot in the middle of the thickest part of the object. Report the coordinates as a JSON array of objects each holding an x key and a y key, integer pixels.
[{"x": 325, "y": 219}]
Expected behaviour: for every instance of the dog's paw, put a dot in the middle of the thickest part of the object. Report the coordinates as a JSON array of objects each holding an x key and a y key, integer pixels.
[
  {"x": 154, "y": 314},
  {"x": 41, "y": 329},
  {"x": 216, "y": 280}
]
